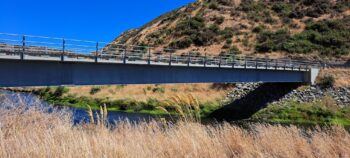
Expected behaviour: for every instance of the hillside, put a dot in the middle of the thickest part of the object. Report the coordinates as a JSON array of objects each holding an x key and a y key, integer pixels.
[{"x": 275, "y": 28}]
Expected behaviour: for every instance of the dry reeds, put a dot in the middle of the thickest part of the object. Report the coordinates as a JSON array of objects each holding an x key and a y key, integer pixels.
[
  {"x": 101, "y": 118},
  {"x": 31, "y": 132},
  {"x": 187, "y": 106}
]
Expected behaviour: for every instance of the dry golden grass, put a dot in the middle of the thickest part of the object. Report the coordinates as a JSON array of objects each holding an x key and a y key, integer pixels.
[
  {"x": 142, "y": 92},
  {"x": 34, "y": 133},
  {"x": 341, "y": 75}
]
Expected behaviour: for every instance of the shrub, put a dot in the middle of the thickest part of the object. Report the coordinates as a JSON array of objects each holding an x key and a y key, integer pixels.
[
  {"x": 326, "y": 37},
  {"x": 299, "y": 46},
  {"x": 219, "y": 19},
  {"x": 195, "y": 23},
  {"x": 319, "y": 7},
  {"x": 227, "y": 32},
  {"x": 271, "y": 41},
  {"x": 152, "y": 103},
  {"x": 326, "y": 81},
  {"x": 258, "y": 29},
  {"x": 181, "y": 43},
  {"x": 204, "y": 37},
  {"x": 94, "y": 90},
  {"x": 224, "y": 2},
  {"x": 158, "y": 89},
  {"x": 269, "y": 19},
  {"x": 213, "y": 5},
  {"x": 60, "y": 91},
  {"x": 282, "y": 8},
  {"x": 226, "y": 46},
  {"x": 234, "y": 50},
  {"x": 215, "y": 28}
]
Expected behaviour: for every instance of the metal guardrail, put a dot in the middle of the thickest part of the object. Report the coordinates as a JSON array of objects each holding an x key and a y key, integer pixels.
[{"x": 28, "y": 47}]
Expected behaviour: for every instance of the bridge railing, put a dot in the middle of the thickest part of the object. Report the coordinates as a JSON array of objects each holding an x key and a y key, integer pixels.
[{"x": 29, "y": 47}]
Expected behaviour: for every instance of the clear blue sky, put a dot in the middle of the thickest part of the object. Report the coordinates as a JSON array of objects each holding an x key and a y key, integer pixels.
[{"x": 98, "y": 20}]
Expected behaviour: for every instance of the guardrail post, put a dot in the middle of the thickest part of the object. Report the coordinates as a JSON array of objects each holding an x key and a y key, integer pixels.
[
  {"x": 233, "y": 62},
  {"x": 149, "y": 56},
  {"x": 63, "y": 49},
  {"x": 219, "y": 61},
  {"x": 205, "y": 60},
  {"x": 124, "y": 55},
  {"x": 96, "y": 53},
  {"x": 285, "y": 65},
  {"x": 256, "y": 64},
  {"x": 245, "y": 62},
  {"x": 170, "y": 58},
  {"x": 23, "y": 47},
  {"x": 276, "y": 63},
  {"x": 188, "y": 59}
]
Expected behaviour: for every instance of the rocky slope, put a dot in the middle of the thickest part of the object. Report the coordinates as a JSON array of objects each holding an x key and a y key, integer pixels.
[{"x": 273, "y": 28}]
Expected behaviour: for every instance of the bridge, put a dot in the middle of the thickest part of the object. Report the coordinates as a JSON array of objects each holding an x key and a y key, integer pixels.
[{"x": 27, "y": 60}]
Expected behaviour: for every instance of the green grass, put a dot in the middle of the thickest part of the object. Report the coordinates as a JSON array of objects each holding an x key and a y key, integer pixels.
[{"x": 305, "y": 113}]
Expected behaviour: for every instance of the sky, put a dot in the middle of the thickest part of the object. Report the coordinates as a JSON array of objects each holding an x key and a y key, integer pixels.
[{"x": 95, "y": 20}]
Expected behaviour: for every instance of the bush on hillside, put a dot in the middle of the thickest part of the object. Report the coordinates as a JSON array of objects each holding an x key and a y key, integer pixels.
[
  {"x": 329, "y": 37},
  {"x": 215, "y": 28},
  {"x": 271, "y": 41},
  {"x": 205, "y": 37},
  {"x": 190, "y": 25},
  {"x": 282, "y": 8},
  {"x": 299, "y": 46},
  {"x": 213, "y": 5},
  {"x": 181, "y": 43},
  {"x": 224, "y": 2},
  {"x": 227, "y": 32},
  {"x": 219, "y": 19},
  {"x": 326, "y": 81},
  {"x": 258, "y": 29},
  {"x": 234, "y": 50}
]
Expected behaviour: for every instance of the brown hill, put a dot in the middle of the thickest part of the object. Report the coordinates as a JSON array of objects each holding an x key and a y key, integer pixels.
[{"x": 273, "y": 28}]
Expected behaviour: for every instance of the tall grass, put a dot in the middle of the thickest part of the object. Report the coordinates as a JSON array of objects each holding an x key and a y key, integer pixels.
[
  {"x": 187, "y": 106},
  {"x": 34, "y": 132}
]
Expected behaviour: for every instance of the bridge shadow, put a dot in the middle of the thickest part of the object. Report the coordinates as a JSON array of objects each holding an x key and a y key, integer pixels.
[{"x": 254, "y": 101}]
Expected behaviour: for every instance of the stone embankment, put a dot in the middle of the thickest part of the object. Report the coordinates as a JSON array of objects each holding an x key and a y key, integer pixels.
[{"x": 341, "y": 95}]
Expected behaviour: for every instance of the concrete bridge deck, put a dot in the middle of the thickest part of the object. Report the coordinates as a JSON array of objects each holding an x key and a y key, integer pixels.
[{"x": 37, "y": 63}]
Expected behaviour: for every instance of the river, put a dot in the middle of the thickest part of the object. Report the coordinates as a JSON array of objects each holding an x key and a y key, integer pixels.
[{"x": 8, "y": 98}]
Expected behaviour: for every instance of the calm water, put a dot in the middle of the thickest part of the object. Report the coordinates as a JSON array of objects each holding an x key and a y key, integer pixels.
[{"x": 10, "y": 99}]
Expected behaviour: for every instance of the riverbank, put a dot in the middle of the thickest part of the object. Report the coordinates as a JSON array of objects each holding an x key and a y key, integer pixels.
[
  {"x": 316, "y": 113},
  {"x": 287, "y": 111},
  {"x": 56, "y": 96}
]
